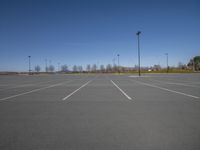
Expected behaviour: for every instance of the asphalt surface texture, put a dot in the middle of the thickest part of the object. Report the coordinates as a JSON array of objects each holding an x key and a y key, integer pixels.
[{"x": 100, "y": 112}]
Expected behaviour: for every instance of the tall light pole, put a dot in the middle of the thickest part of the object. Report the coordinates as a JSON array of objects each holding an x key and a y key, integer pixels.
[
  {"x": 118, "y": 62},
  {"x": 167, "y": 62},
  {"x": 29, "y": 63},
  {"x": 138, "y": 34}
]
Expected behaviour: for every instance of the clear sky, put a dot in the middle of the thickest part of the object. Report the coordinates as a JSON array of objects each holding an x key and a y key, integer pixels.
[{"x": 85, "y": 32}]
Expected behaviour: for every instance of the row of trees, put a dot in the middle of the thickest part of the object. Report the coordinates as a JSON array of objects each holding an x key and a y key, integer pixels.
[
  {"x": 77, "y": 68},
  {"x": 90, "y": 68},
  {"x": 193, "y": 64},
  {"x": 102, "y": 68},
  {"x": 51, "y": 68}
]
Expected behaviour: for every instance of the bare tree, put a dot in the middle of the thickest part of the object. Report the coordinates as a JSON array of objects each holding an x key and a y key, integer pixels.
[
  {"x": 88, "y": 68},
  {"x": 102, "y": 68},
  {"x": 156, "y": 67},
  {"x": 46, "y": 69},
  {"x": 80, "y": 68},
  {"x": 94, "y": 68},
  {"x": 109, "y": 68},
  {"x": 37, "y": 68},
  {"x": 75, "y": 68},
  {"x": 51, "y": 68},
  {"x": 123, "y": 69},
  {"x": 64, "y": 68},
  {"x": 114, "y": 68}
]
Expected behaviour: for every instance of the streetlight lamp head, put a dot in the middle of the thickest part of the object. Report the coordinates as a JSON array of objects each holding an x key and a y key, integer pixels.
[{"x": 138, "y": 33}]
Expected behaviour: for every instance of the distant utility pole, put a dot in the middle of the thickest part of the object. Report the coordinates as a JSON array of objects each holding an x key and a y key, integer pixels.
[
  {"x": 118, "y": 62},
  {"x": 29, "y": 60},
  {"x": 138, "y": 34},
  {"x": 167, "y": 62}
]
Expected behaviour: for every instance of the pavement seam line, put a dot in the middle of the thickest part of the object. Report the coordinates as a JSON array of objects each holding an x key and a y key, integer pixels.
[
  {"x": 165, "y": 89},
  {"x": 120, "y": 90},
  {"x": 76, "y": 90}
]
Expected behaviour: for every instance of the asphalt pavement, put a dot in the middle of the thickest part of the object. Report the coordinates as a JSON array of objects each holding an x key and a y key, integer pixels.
[{"x": 100, "y": 112}]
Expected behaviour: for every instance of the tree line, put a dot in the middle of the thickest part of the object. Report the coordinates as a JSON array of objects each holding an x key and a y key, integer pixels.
[
  {"x": 78, "y": 68},
  {"x": 193, "y": 64}
]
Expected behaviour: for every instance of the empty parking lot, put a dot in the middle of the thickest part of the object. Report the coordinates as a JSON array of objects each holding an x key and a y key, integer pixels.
[{"x": 102, "y": 111}]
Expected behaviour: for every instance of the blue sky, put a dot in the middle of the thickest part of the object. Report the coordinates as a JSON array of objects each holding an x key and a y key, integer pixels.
[{"x": 85, "y": 32}]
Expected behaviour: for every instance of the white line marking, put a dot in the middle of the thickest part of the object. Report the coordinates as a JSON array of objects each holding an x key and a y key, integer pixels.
[
  {"x": 25, "y": 85},
  {"x": 35, "y": 90},
  {"x": 155, "y": 86},
  {"x": 121, "y": 90},
  {"x": 76, "y": 90}
]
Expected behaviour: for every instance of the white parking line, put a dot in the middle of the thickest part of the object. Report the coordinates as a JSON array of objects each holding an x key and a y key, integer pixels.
[
  {"x": 177, "y": 92},
  {"x": 76, "y": 90},
  {"x": 121, "y": 90},
  {"x": 25, "y": 85},
  {"x": 31, "y": 84},
  {"x": 35, "y": 90}
]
